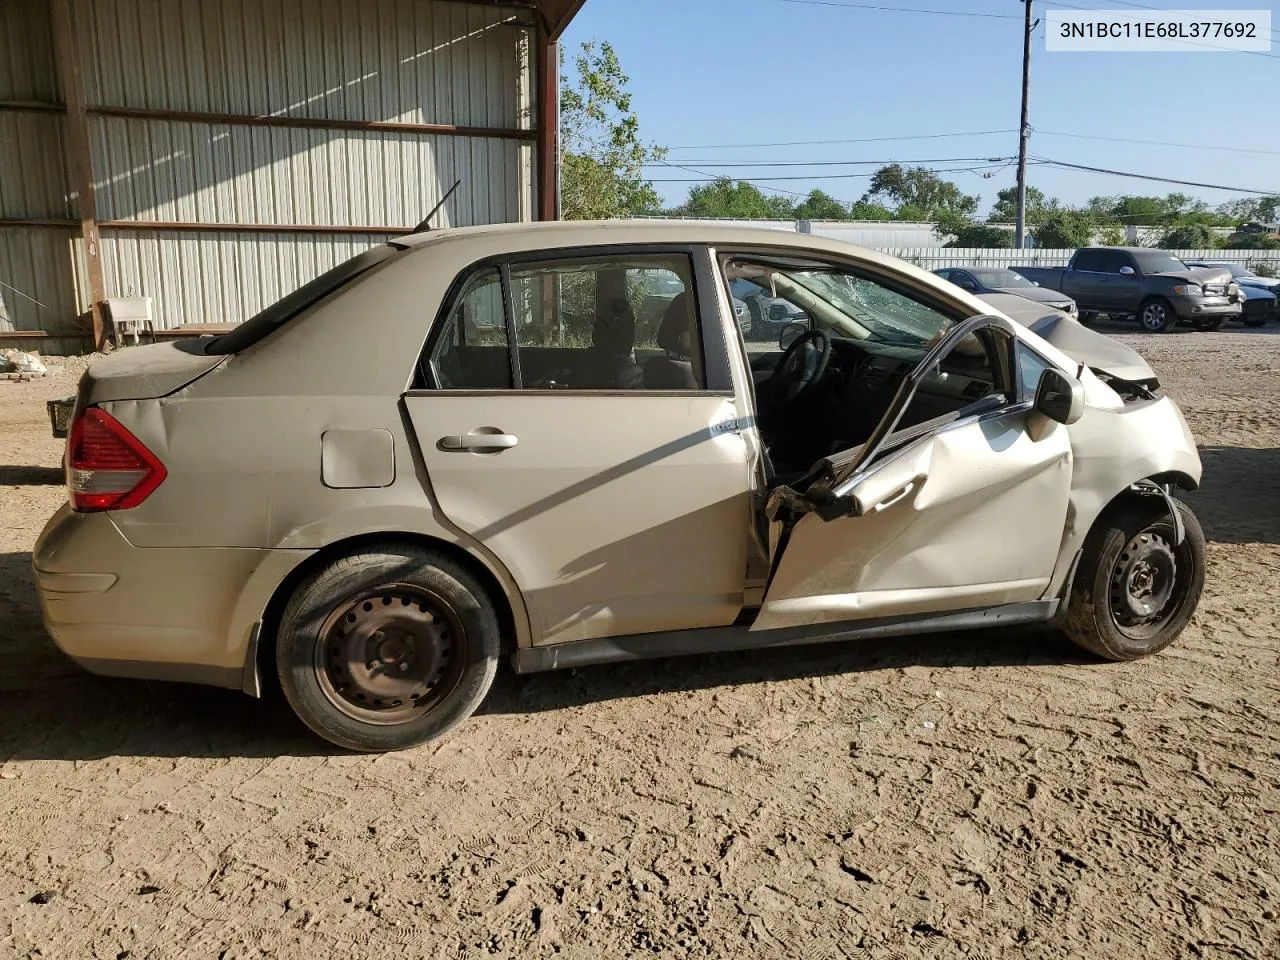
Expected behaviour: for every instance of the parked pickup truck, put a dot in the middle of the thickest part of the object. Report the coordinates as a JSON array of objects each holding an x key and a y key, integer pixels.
[{"x": 1152, "y": 285}]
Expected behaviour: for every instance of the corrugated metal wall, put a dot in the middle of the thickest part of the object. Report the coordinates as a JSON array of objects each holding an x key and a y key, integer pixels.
[
  {"x": 403, "y": 61},
  {"x": 37, "y": 265}
]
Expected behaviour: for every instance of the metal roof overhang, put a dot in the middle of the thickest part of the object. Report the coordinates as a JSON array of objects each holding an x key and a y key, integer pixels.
[{"x": 553, "y": 15}]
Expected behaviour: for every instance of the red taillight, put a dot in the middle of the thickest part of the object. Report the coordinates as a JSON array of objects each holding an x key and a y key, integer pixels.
[{"x": 108, "y": 468}]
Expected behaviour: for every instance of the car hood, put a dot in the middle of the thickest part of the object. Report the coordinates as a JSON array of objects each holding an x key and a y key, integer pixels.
[
  {"x": 1260, "y": 283},
  {"x": 1038, "y": 294},
  {"x": 1251, "y": 292},
  {"x": 1200, "y": 275},
  {"x": 1093, "y": 349}
]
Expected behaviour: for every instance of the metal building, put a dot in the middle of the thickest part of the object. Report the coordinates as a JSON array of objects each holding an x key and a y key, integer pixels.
[{"x": 215, "y": 154}]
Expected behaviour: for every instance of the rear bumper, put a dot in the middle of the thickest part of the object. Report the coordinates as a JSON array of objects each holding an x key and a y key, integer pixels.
[{"x": 155, "y": 613}]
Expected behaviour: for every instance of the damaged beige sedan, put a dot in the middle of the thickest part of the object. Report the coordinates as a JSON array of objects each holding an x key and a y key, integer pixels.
[{"x": 551, "y": 442}]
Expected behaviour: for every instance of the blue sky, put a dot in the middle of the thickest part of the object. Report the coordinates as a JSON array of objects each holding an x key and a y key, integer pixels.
[{"x": 755, "y": 71}]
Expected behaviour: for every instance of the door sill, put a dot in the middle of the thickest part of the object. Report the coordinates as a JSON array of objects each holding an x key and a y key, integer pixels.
[{"x": 648, "y": 646}]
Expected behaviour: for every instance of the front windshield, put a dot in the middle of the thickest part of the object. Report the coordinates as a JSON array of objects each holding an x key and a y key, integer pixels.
[
  {"x": 1156, "y": 262},
  {"x": 856, "y": 307},
  {"x": 990, "y": 277}
]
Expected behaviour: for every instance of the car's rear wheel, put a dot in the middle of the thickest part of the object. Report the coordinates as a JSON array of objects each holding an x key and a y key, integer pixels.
[
  {"x": 1157, "y": 316},
  {"x": 387, "y": 647},
  {"x": 1136, "y": 587},
  {"x": 1088, "y": 317}
]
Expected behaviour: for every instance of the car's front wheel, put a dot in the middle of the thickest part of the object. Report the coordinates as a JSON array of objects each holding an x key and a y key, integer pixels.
[
  {"x": 1136, "y": 587},
  {"x": 1157, "y": 316},
  {"x": 387, "y": 647}
]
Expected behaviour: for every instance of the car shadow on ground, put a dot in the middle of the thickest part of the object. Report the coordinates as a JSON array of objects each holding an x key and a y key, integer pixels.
[
  {"x": 13, "y": 475},
  {"x": 1239, "y": 497},
  {"x": 1003, "y": 647},
  {"x": 51, "y": 709}
]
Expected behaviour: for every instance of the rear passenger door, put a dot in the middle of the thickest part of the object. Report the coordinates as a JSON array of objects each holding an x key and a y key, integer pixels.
[{"x": 587, "y": 436}]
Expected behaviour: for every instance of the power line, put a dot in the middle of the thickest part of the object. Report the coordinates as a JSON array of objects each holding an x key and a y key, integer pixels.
[
  {"x": 938, "y": 13},
  {"x": 758, "y": 186},
  {"x": 819, "y": 176},
  {"x": 1158, "y": 143},
  {"x": 1043, "y": 161},
  {"x": 811, "y": 143},
  {"x": 828, "y": 163}
]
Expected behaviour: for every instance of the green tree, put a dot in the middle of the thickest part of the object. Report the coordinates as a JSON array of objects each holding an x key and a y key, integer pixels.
[
  {"x": 603, "y": 158},
  {"x": 1066, "y": 229},
  {"x": 862, "y": 210},
  {"x": 1111, "y": 236},
  {"x": 1039, "y": 207},
  {"x": 820, "y": 206},
  {"x": 1251, "y": 210},
  {"x": 982, "y": 235},
  {"x": 1188, "y": 236},
  {"x": 917, "y": 193},
  {"x": 726, "y": 197}
]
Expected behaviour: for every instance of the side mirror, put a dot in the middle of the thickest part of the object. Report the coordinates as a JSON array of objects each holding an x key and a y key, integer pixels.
[
  {"x": 791, "y": 333},
  {"x": 1060, "y": 397},
  {"x": 778, "y": 311},
  {"x": 966, "y": 285},
  {"x": 1126, "y": 271}
]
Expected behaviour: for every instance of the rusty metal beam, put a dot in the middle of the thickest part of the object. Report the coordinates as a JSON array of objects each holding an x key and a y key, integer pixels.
[
  {"x": 274, "y": 120},
  {"x": 548, "y": 126},
  {"x": 151, "y": 226},
  {"x": 79, "y": 161}
]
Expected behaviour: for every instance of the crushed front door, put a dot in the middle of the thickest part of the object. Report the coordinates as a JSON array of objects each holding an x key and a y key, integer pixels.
[{"x": 969, "y": 515}]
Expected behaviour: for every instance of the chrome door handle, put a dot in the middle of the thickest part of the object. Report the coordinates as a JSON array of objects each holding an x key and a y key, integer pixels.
[{"x": 479, "y": 442}]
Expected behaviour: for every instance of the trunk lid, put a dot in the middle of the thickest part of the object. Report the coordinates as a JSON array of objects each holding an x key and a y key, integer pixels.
[{"x": 146, "y": 372}]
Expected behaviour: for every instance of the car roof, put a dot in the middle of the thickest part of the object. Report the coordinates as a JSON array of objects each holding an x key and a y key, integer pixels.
[{"x": 509, "y": 237}]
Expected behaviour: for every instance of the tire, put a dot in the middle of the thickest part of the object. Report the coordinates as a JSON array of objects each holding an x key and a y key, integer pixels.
[
  {"x": 1156, "y": 316},
  {"x": 387, "y": 648},
  {"x": 1102, "y": 615},
  {"x": 1255, "y": 322},
  {"x": 1088, "y": 317}
]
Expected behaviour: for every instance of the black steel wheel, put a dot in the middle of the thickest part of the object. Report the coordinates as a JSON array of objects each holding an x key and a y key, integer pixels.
[
  {"x": 387, "y": 647},
  {"x": 389, "y": 655},
  {"x": 1136, "y": 586}
]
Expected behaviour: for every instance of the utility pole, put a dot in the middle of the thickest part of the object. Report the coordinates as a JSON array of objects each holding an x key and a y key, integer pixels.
[{"x": 1024, "y": 137}]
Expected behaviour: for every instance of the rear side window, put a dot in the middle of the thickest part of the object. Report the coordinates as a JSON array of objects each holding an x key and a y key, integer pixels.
[
  {"x": 286, "y": 308},
  {"x": 599, "y": 323}
]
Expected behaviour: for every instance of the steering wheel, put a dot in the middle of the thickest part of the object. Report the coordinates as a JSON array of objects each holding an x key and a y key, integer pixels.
[{"x": 801, "y": 367}]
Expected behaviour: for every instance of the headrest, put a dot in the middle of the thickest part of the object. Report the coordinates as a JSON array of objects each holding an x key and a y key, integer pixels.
[
  {"x": 675, "y": 334},
  {"x": 615, "y": 329}
]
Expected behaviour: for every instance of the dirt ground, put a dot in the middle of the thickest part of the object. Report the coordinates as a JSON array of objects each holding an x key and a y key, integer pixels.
[{"x": 984, "y": 795}]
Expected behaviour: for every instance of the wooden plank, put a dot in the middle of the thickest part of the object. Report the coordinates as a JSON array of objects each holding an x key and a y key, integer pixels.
[{"x": 79, "y": 161}]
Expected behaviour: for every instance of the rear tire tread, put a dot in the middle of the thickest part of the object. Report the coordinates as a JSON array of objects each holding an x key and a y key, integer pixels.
[{"x": 374, "y": 565}]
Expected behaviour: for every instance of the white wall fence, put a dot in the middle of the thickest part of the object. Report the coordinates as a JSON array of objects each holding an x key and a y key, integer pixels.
[{"x": 931, "y": 258}]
